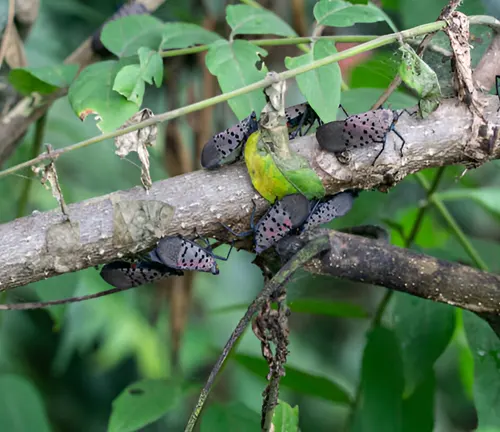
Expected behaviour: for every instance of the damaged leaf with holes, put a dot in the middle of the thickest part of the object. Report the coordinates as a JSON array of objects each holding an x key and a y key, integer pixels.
[
  {"x": 419, "y": 76},
  {"x": 138, "y": 141}
]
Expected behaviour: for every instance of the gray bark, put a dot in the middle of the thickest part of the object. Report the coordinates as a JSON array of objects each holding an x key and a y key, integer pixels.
[{"x": 126, "y": 222}]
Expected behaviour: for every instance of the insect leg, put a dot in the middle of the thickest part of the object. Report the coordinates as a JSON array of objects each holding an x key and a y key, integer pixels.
[
  {"x": 229, "y": 253},
  {"x": 402, "y": 140}
]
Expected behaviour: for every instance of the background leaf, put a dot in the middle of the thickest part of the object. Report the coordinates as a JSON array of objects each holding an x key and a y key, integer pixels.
[
  {"x": 184, "y": 35},
  {"x": 487, "y": 197},
  {"x": 231, "y": 417},
  {"x": 245, "y": 19},
  {"x": 129, "y": 83},
  {"x": 92, "y": 93},
  {"x": 151, "y": 66},
  {"x": 126, "y": 35},
  {"x": 424, "y": 329},
  {"x": 21, "y": 407},
  {"x": 418, "y": 409},
  {"x": 285, "y": 418},
  {"x": 382, "y": 383},
  {"x": 321, "y": 86},
  {"x": 234, "y": 66},
  {"x": 142, "y": 403},
  {"x": 300, "y": 381},
  {"x": 43, "y": 80},
  {"x": 485, "y": 348},
  {"x": 339, "y": 13}
]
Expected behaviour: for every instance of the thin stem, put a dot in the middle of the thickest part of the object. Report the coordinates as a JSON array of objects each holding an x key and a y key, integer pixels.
[
  {"x": 461, "y": 237},
  {"x": 40, "y": 305},
  {"x": 273, "y": 42},
  {"x": 37, "y": 145},
  {"x": 169, "y": 115},
  {"x": 280, "y": 279}
]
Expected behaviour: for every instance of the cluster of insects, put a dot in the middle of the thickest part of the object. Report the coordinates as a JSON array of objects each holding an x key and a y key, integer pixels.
[
  {"x": 355, "y": 131},
  {"x": 290, "y": 215},
  {"x": 173, "y": 254}
]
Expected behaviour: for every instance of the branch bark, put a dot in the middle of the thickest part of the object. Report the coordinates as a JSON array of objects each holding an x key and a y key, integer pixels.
[
  {"x": 378, "y": 263},
  {"x": 126, "y": 222}
]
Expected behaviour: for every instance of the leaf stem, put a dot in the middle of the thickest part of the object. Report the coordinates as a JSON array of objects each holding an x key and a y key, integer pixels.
[{"x": 169, "y": 115}]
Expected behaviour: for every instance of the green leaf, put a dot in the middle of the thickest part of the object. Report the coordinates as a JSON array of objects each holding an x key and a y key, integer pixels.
[
  {"x": 151, "y": 66},
  {"x": 321, "y": 86},
  {"x": 183, "y": 35},
  {"x": 285, "y": 418},
  {"x": 129, "y": 83},
  {"x": 230, "y": 417},
  {"x": 21, "y": 406},
  {"x": 418, "y": 409},
  {"x": 424, "y": 329},
  {"x": 339, "y": 13},
  {"x": 142, "y": 403},
  {"x": 92, "y": 93},
  {"x": 234, "y": 66},
  {"x": 126, "y": 35},
  {"x": 488, "y": 197},
  {"x": 245, "y": 19},
  {"x": 417, "y": 75},
  {"x": 297, "y": 380},
  {"x": 43, "y": 80},
  {"x": 485, "y": 348},
  {"x": 382, "y": 383}
]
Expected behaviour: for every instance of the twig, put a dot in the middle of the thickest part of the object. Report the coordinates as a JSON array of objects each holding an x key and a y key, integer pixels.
[
  {"x": 41, "y": 305},
  {"x": 376, "y": 43},
  {"x": 301, "y": 257}
]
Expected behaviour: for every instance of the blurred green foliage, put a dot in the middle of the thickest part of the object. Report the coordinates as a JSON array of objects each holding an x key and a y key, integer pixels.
[{"x": 105, "y": 364}]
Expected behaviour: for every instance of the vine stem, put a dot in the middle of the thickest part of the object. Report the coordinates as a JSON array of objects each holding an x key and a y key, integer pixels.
[
  {"x": 367, "y": 46},
  {"x": 303, "y": 256},
  {"x": 384, "y": 303}
]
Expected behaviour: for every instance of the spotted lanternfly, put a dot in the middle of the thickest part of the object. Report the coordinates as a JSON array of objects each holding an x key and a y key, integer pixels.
[
  {"x": 226, "y": 147},
  {"x": 330, "y": 208},
  {"x": 282, "y": 217},
  {"x": 299, "y": 116},
  {"x": 180, "y": 253},
  {"x": 123, "y": 274},
  {"x": 360, "y": 130}
]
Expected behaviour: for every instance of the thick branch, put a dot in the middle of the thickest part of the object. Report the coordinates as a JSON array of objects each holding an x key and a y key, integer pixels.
[
  {"x": 379, "y": 263},
  {"x": 105, "y": 228}
]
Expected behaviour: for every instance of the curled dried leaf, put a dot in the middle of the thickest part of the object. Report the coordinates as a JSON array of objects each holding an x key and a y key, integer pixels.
[
  {"x": 48, "y": 174},
  {"x": 138, "y": 141},
  {"x": 458, "y": 33}
]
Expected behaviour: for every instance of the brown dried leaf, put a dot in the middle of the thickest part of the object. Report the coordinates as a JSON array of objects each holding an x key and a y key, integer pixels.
[
  {"x": 138, "y": 141},
  {"x": 458, "y": 33},
  {"x": 48, "y": 174}
]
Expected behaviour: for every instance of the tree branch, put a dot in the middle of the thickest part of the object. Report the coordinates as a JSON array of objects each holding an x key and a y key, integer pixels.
[
  {"x": 379, "y": 263},
  {"x": 126, "y": 222}
]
